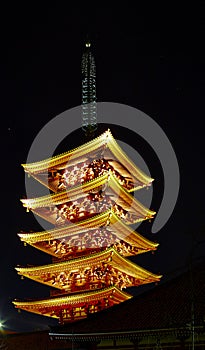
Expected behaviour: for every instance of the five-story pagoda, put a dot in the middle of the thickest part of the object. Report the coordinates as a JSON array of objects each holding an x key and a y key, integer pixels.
[{"x": 91, "y": 208}]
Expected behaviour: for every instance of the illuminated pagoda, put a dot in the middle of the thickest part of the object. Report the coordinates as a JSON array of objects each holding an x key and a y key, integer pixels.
[{"x": 91, "y": 208}]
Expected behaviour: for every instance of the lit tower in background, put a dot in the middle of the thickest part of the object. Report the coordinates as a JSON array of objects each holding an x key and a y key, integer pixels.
[{"x": 89, "y": 107}]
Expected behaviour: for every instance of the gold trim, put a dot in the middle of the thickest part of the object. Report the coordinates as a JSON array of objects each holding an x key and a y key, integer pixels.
[
  {"x": 78, "y": 191},
  {"x": 117, "y": 261},
  {"x": 106, "y": 139},
  {"x": 74, "y": 299},
  {"x": 116, "y": 225}
]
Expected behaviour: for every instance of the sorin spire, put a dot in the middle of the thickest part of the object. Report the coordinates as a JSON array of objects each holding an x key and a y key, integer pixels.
[{"x": 89, "y": 106}]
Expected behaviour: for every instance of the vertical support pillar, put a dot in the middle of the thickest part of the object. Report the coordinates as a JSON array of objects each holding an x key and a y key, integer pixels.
[
  {"x": 136, "y": 342},
  {"x": 182, "y": 336}
]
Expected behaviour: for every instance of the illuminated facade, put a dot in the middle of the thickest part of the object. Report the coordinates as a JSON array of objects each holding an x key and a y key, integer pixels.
[
  {"x": 92, "y": 240},
  {"x": 91, "y": 209}
]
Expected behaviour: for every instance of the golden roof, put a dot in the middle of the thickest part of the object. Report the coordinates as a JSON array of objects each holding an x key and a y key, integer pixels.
[
  {"x": 105, "y": 143},
  {"x": 107, "y": 182},
  {"x": 49, "y": 307},
  {"x": 107, "y": 219},
  {"x": 80, "y": 265}
]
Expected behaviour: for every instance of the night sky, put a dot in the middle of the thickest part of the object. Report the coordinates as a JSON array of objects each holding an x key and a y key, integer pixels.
[{"x": 148, "y": 59}]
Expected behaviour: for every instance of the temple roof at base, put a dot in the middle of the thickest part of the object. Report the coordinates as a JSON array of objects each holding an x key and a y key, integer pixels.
[
  {"x": 107, "y": 184},
  {"x": 67, "y": 234},
  {"x": 104, "y": 145},
  {"x": 164, "y": 308},
  {"x": 108, "y": 263},
  {"x": 52, "y": 307},
  {"x": 138, "y": 318}
]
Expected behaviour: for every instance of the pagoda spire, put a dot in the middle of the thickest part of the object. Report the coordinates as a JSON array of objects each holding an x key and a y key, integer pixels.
[{"x": 89, "y": 107}]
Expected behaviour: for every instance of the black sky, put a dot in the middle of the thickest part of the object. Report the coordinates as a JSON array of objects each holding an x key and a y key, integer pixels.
[{"x": 149, "y": 59}]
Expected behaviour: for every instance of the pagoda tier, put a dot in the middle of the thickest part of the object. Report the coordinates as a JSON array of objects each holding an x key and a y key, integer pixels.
[
  {"x": 96, "y": 271},
  {"x": 88, "y": 236},
  {"x": 87, "y": 162},
  {"x": 87, "y": 200},
  {"x": 75, "y": 307}
]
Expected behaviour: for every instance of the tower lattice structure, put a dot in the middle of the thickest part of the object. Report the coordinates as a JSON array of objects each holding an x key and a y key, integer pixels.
[{"x": 89, "y": 106}]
